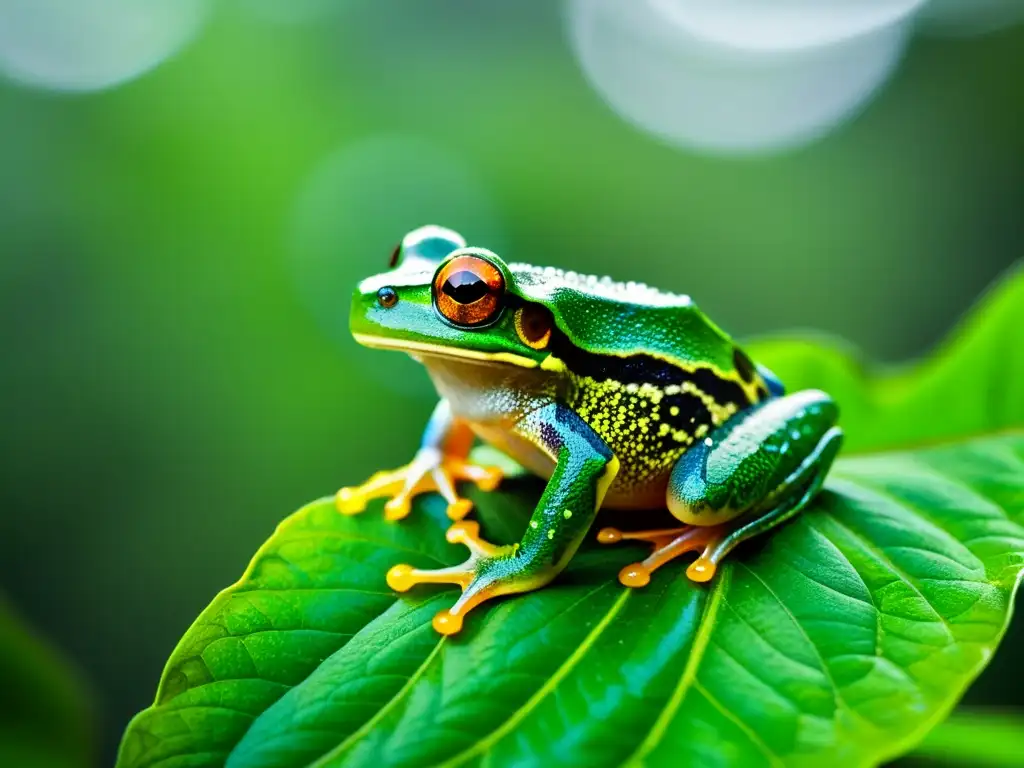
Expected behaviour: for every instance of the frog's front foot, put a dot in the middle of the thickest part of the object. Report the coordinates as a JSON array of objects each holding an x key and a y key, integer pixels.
[
  {"x": 430, "y": 471},
  {"x": 668, "y": 545},
  {"x": 489, "y": 572}
]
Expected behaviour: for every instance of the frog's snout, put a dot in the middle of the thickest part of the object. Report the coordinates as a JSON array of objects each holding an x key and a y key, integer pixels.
[
  {"x": 389, "y": 309},
  {"x": 376, "y": 307},
  {"x": 364, "y": 303}
]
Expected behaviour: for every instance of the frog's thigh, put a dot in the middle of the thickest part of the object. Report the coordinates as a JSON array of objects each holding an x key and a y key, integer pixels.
[
  {"x": 799, "y": 489},
  {"x": 755, "y": 471},
  {"x": 755, "y": 461}
]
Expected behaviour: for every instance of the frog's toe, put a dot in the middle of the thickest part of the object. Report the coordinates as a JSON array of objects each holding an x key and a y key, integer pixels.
[
  {"x": 456, "y": 470},
  {"x": 449, "y": 622},
  {"x": 486, "y": 478},
  {"x": 402, "y": 577},
  {"x": 702, "y": 569},
  {"x": 668, "y": 545},
  {"x": 430, "y": 471},
  {"x": 353, "y": 500},
  {"x": 467, "y": 533},
  {"x": 658, "y": 537},
  {"x": 453, "y": 470},
  {"x": 398, "y": 508},
  {"x": 635, "y": 575},
  {"x": 442, "y": 480},
  {"x": 459, "y": 509},
  {"x": 487, "y": 582},
  {"x": 475, "y": 589},
  {"x": 349, "y": 502},
  {"x": 489, "y": 571}
]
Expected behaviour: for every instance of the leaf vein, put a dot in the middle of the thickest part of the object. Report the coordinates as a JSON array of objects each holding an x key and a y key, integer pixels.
[
  {"x": 549, "y": 685},
  {"x": 686, "y": 680},
  {"x": 905, "y": 577},
  {"x": 773, "y": 759}
]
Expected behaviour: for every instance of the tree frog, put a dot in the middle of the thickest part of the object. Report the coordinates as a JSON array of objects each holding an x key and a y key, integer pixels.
[{"x": 620, "y": 395}]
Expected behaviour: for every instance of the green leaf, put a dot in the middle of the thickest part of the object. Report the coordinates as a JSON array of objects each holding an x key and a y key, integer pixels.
[
  {"x": 975, "y": 738},
  {"x": 44, "y": 712},
  {"x": 843, "y": 636},
  {"x": 972, "y": 385}
]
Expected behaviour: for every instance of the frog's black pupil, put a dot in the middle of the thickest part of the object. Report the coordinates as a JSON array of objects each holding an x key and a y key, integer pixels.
[{"x": 465, "y": 287}]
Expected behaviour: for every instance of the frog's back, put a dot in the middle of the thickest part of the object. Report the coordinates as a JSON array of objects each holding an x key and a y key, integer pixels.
[
  {"x": 614, "y": 318},
  {"x": 650, "y": 373}
]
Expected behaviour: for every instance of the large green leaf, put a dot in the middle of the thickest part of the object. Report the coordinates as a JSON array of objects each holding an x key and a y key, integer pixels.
[
  {"x": 972, "y": 385},
  {"x": 843, "y": 636}
]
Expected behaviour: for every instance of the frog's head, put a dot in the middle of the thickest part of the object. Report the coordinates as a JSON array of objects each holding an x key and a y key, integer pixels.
[{"x": 441, "y": 298}]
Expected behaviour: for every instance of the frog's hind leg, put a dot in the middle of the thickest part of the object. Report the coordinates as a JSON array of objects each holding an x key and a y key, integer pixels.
[
  {"x": 752, "y": 473},
  {"x": 805, "y": 483},
  {"x": 441, "y": 462}
]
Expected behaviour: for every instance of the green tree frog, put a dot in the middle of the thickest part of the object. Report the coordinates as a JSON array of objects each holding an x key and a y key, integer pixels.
[{"x": 620, "y": 395}]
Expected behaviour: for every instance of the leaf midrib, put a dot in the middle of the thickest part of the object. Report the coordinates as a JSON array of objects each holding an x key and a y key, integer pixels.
[
  {"x": 549, "y": 685},
  {"x": 383, "y": 711},
  {"x": 700, "y": 644}
]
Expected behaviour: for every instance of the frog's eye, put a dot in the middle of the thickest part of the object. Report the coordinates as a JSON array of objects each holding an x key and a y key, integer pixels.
[
  {"x": 534, "y": 325},
  {"x": 468, "y": 290}
]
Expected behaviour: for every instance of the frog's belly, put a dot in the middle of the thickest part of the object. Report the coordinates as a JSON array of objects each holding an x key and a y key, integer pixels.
[
  {"x": 523, "y": 451},
  {"x": 625, "y": 493}
]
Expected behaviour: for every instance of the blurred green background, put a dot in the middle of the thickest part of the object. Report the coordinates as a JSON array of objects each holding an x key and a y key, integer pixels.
[{"x": 176, "y": 256}]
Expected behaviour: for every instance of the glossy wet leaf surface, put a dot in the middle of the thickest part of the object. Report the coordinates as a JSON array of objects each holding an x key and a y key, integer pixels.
[{"x": 841, "y": 638}]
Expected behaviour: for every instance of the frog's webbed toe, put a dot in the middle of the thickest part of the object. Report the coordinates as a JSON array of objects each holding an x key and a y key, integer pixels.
[
  {"x": 431, "y": 471},
  {"x": 485, "y": 574},
  {"x": 668, "y": 545}
]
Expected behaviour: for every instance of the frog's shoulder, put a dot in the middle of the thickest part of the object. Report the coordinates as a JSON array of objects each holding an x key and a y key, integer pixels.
[{"x": 605, "y": 316}]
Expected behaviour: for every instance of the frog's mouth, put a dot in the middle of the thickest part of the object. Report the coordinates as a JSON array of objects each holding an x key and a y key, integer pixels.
[{"x": 419, "y": 348}]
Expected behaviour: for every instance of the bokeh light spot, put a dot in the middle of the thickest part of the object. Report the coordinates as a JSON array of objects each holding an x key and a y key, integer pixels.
[
  {"x": 353, "y": 209},
  {"x": 89, "y": 45},
  {"x": 782, "y": 25},
  {"x": 701, "y": 94}
]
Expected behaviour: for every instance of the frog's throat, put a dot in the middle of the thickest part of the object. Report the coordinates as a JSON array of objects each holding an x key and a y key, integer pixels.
[{"x": 439, "y": 350}]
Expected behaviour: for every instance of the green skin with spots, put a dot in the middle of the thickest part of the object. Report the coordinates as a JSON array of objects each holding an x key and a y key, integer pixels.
[{"x": 636, "y": 400}]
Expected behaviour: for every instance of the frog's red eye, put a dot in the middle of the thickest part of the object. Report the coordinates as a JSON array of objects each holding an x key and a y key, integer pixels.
[{"x": 468, "y": 290}]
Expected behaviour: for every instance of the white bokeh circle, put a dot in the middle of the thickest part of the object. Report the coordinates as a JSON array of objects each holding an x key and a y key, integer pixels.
[
  {"x": 90, "y": 45},
  {"x": 781, "y": 25},
  {"x": 701, "y": 94}
]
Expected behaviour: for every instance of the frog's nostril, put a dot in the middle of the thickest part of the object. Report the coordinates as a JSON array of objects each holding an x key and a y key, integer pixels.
[{"x": 387, "y": 297}]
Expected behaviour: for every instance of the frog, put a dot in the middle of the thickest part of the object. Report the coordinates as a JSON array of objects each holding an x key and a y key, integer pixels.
[{"x": 619, "y": 395}]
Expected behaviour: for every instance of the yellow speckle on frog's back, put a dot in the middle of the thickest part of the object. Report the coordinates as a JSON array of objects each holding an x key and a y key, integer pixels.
[{"x": 649, "y": 411}]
